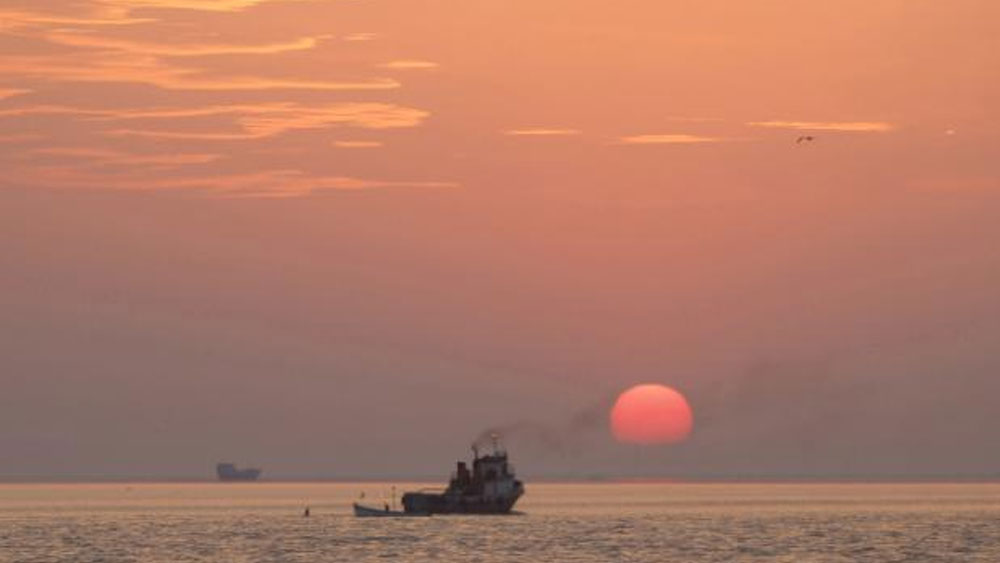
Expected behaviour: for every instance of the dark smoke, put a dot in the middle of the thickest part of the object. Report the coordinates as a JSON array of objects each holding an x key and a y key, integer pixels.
[{"x": 565, "y": 439}]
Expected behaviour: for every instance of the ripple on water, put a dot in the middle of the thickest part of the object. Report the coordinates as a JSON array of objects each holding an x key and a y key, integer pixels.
[{"x": 577, "y": 523}]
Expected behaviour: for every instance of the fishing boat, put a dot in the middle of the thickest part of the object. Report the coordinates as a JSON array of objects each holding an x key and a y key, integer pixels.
[
  {"x": 490, "y": 487},
  {"x": 363, "y": 511}
]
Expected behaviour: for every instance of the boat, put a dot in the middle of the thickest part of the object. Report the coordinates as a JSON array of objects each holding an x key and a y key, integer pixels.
[
  {"x": 490, "y": 487},
  {"x": 362, "y": 511},
  {"x": 229, "y": 472}
]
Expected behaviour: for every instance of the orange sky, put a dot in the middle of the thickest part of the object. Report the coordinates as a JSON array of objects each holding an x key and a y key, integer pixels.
[
  {"x": 384, "y": 198},
  {"x": 277, "y": 98}
]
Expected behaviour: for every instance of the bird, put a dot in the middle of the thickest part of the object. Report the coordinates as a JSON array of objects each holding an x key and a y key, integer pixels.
[{"x": 804, "y": 138}]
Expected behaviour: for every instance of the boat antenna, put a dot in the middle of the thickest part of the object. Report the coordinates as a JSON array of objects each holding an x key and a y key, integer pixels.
[{"x": 495, "y": 438}]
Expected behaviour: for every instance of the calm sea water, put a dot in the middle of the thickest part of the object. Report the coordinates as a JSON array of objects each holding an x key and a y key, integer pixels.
[{"x": 560, "y": 522}]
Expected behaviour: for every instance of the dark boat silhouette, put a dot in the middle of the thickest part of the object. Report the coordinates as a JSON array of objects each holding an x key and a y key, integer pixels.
[
  {"x": 229, "y": 472},
  {"x": 489, "y": 488}
]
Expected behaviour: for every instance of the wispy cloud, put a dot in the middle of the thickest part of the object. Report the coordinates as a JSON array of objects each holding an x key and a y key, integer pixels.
[
  {"x": 267, "y": 120},
  {"x": 541, "y": 132},
  {"x": 12, "y": 92},
  {"x": 83, "y": 41},
  {"x": 95, "y": 17},
  {"x": 254, "y": 120},
  {"x": 146, "y": 69},
  {"x": 46, "y": 109},
  {"x": 409, "y": 65},
  {"x": 101, "y": 13},
  {"x": 360, "y": 37},
  {"x": 845, "y": 126},
  {"x": 277, "y": 183},
  {"x": 357, "y": 144},
  {"x": 668, "y": 139},
  {"x": 182, "y": 50},
  {"x": 107, "y": 157},
  {"x": 201, "y": 5},
  {"x": 292, "y": 183},
  {"x": 693, "y": 119}
]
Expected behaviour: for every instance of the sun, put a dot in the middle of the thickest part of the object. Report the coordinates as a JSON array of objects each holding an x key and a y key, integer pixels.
[{"x": 651, "y": 414}]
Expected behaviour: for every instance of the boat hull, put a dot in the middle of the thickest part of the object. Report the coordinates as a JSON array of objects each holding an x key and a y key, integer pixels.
[
  {"x": 362, "y": 511},
  {"x": 431, "y": 503}
]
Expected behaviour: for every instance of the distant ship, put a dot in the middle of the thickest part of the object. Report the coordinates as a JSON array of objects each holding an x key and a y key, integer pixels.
[
  {"x": 490, "y": 488},
  {"x": 229, "y": 472}
]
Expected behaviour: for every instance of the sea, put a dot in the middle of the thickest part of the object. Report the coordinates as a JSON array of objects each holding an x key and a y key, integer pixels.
[{"x": 562, "y": 522}]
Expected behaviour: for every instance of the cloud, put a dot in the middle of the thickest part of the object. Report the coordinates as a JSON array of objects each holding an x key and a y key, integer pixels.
[
  {"x": 182, "y": 50},
  {"x": 360, "y": 37},
  {"x": 542, "y": 132},
  {"x": 99, "y": 58},
  {"x": 249, "y": 121},
  {"x": 357, "y": 144},
  {"x": 107, "y": 157},
  {"x": 409, "y": 64},
  {"x": 73, "y": 44},
  {"x": 268, "y": 120},
  {"x": 279, "y": 183},
  {"x": 845, "y": 126},
  {"x": 292, "y": 183},
  {"x": 102, "y": 13},
  {"x": 146, "y": 69},
  {"x": 181, "y": 135},
  {"x": 693, "y": 119},
  {"x": 668, "y": 139},
  {"x": 200, "y": 5},
  {"x": 15, "y": 19},
  {"x": 12, "y": 92},
  {"x": 256, "y": 120},
  {"x": 52, "y": 110}
]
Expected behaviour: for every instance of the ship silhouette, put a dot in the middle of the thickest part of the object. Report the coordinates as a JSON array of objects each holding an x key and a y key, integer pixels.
[
  {"x": 229, "y": 472},
  {"x": 490, "y": 487}
]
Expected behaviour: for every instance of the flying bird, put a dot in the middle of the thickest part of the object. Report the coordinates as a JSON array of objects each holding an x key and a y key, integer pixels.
[{"x": 804, "y": 138}]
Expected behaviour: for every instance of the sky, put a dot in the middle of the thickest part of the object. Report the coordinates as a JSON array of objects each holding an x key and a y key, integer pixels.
[{"x": 343, "y": 238}]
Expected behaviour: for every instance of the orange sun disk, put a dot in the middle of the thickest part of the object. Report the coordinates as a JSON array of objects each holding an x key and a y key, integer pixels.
[{"x": 651, "y": 414}]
